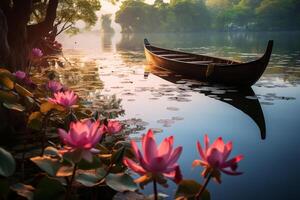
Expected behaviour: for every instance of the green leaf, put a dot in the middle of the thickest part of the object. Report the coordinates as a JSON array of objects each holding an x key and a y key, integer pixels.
[
  {"x": 189, "y": 189},
  {"x": 51, "y": 151},
  {"x": 35, "y": 121},
  {"x": 101, "y": 172},
  {"x": 5, "y": 72},
  {"x": 6, "y": 78},
  {"x": 117, "y": 156},
  {"x": 4, "y": 188},
  {"x": 7, "y": 82},
  {"x": 7, "y": 163},
  {"x": 85, "y": 165},
  {"x": 49, "y": 189},
  {"x": 29, "y": 103},
  {"x": 23, "y": 91},
  {"x": 65, "y": 170},
  {"x": 87, "y": 179},
  {"x": 47, "y": 106},
  {"x": 47, "y": 164},
  {"x": 23, "y": 190},
  {"x": 14, "y": 106},
  {"x": 121, "y": 182},
  {"x": 8, "y": 97}
]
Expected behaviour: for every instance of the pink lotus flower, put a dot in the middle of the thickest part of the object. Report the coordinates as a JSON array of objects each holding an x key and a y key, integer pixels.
[
  {"x": 214, "y": 157},
  {"x": 20, "y": 75},
  {"x": 81, "y": 139},
  {"x": 159, "y": 161},
  {"x": 36, "y": 53},
  {"x": 113, "y": 127},
  {"x": 67, "y": 98},
  {"x": 54, "y": 86}
]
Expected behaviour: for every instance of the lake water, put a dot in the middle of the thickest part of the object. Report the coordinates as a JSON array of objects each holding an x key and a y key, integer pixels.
[{"x": 263, "y": 122}]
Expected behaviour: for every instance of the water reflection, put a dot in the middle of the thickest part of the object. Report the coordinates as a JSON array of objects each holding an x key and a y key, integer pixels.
[
  {"x": 244, "y": 99},
  {"x": 187, "y": 109}
]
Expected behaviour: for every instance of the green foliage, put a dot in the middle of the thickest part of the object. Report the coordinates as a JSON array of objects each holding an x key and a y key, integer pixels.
[
  {"x": 49, "y": 189},
  {"x": 4, "y": 188},
  {"x": 121, "y": 182},
  {"x": 106, "y": 23},
  {"x": 188, "y": 189},
  {"x": 199, "y": 15},
  {"x": 23, "y": 190},
  {"x": 69, "y": 12},
  {"x": 182, "y": 16},
  {"x": 7, "y": 163}
]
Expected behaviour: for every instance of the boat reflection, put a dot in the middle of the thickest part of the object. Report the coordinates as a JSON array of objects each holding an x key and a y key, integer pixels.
[{"x": 244, "y": 99}]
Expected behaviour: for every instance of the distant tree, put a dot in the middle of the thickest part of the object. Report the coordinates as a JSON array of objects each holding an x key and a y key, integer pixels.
[
  {"x": 106, "y": 23},
  {"x": 136, "y": 16},
  {"x": 179, "y": 15},
  {"x": 279, "y": 15},
  {"x": 190, "y": 15}
]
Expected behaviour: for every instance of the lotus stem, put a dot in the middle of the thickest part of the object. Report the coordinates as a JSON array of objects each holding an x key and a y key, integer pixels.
[
  {"x": 69, "y": 187},
  {"x": 199, "y": 194},
  {"x": 44, "y": 133},
  {"x": 155, "y": 189}
]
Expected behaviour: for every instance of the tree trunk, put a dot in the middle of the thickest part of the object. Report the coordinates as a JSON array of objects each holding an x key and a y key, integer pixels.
[
  {"x": 16, "y": 37},
  {"x": 17, "y": 20},
  {"x": 37, "y": 31},
  {"x": 4, "y": 48}
]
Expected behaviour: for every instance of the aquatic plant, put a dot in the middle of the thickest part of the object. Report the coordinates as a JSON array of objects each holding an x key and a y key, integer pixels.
[
  {"x": 66, "y": 99},
  {"x": 20, "y": 75},
  {"x": 36, "y": 53},
  {"x": 156, "y": 163},
  {"x": 81, "y": 139},
  {"x": 113, "y": 126},
  {"x": 214, "y": 159},
  {"x": 54, "y": 86},
  {"x": 94, "y": 150}
]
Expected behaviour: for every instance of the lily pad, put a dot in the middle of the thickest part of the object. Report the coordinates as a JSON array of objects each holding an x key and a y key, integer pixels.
[
  {"x": 121, "y": 182},
  {"x": 49, "y": 189},
  {"x": 7, "y": 163},
  {"x": 14, "y": 106},
  {"x": 23, "y": 190},
  {"x": 47, "y": 164},
  {"x": 189, "y": 189}
]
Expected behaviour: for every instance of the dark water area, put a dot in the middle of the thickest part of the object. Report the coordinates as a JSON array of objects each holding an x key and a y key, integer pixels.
[{"x": 262, "y": 121}]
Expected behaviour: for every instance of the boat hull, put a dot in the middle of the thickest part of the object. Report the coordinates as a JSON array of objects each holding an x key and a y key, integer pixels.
[{"x": 219, "y": 71}]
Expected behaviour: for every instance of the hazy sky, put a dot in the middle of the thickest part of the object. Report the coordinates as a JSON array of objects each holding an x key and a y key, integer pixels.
[{"x": 110, "y": 8}]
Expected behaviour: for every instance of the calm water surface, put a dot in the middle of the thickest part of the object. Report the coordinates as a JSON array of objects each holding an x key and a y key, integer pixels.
[{"x": 263, "y": 122}]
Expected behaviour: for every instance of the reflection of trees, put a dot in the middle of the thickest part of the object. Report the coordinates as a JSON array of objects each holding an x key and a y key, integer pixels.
[
  {"x": 83, "y": 77},
  {"x": 109, "y": 107},
  {"x": 106, "y": 23},
  {"x": 290, "y": 75}
]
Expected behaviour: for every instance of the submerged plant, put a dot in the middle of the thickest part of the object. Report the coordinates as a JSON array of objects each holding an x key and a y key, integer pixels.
[{"x": 156, "y": 162}]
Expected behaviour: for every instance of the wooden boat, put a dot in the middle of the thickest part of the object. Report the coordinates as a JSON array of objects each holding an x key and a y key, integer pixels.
[
  {"x": 237, "y": 99},
  {"x": 207, "y": 68}
]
